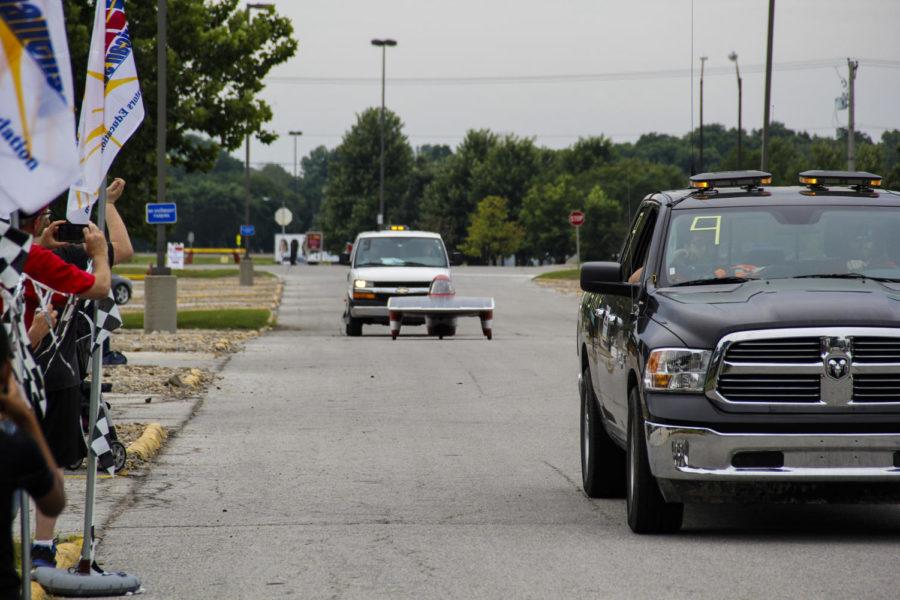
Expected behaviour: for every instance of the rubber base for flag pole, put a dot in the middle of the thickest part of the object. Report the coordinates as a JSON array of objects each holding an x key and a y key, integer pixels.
[{"x": 71, "y": 584}]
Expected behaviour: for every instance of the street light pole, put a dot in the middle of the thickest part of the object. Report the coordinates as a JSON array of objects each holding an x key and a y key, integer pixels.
[
  {"x": 703, "y": 60},
  {"x": 295, "y": 135},
  {"x": 384, "y": 45},
  {"x": 764, "y": 166},
  {"x": 734, "y": 58},
  {"x": 247, "y": 261}
]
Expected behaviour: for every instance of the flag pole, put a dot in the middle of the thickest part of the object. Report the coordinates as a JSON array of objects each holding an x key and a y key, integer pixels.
[
  {"x": 24, "y": 504},
  {"x": 87, "y": 543}
]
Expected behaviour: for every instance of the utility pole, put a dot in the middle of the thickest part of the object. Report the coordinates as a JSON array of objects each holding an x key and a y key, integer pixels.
[
  {"x": 160, "y": 286},
  {"x": 764, "y": 166},
  {"x": 384, "y": 45},
  {"x": 853, "y": 65},
  {"x": 246, "y": 271},
  {"x": 733, "y": 57},
  {"x": 703, "y": 60}
]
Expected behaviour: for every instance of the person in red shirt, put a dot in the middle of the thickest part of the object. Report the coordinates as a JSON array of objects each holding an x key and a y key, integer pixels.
[{"x": 62, "y": 421}]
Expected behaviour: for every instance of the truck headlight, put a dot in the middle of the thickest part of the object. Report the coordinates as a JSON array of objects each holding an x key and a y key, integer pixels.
[
  {"x": 676, "y": 370},
  {"x": 360, "y": 283}
]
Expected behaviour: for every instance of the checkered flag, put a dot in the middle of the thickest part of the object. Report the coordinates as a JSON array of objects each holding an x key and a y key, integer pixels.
[
  {"x": 14, "y": 247},
  {"x": 108, "y": 320},
  {"x": 100, "y": 442},
  {"x": 25, "y": 368}
]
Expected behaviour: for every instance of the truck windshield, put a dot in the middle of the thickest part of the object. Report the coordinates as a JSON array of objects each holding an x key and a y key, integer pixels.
[
  {"x": 400, "y": 252},
  {"x": 776, "y": 242}
]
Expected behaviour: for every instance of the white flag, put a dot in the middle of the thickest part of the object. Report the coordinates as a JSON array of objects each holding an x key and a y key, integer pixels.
[
  {"x": 38, "y": 157},
  {"x": 112, "y": 108}
]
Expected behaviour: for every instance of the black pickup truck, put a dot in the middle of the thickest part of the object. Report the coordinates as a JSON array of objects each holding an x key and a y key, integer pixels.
[{"x": 745, "y": 348}]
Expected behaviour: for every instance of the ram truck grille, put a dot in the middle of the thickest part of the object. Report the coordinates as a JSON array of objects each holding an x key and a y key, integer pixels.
[
  {"x": 808, "y": 369},
  {"x": 770, "y": 388},
  {"x": 796, "y": 350}
]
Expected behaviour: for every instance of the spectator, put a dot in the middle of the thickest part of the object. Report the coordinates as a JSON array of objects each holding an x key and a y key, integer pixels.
[
  {"x": 62, "y": 422},
  {"x": 25, "y": 463},
  {"x": 119, "y": 246}
]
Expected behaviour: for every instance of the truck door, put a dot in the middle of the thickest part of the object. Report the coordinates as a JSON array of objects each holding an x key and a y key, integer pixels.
[
  {"x": 610, "y": 318},
  {"x": 623, "y": 315}
]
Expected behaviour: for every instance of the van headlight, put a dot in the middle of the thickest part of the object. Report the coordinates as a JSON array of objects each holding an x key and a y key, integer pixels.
[
  {"x": 676, "y": 370},
  {"x": 360, "y": 283}
]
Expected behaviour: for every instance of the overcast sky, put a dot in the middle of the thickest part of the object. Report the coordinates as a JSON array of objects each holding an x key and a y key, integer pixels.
[{"x": 503, "y": 39}]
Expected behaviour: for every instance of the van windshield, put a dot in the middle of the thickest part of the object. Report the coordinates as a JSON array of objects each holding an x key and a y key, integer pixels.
[
  {"x": 400, "y": 252},
  {"x": 776, "y": 242}
]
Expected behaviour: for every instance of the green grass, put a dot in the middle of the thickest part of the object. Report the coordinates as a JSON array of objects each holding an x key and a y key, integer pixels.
[
  {"x": 235, "y": 318},
  {"x": 188, "y": 273},
  {"x": 564, "y": 274}
]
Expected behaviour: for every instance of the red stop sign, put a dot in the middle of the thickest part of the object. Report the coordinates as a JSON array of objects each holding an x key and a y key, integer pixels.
[{"x": 576, "y": 218}]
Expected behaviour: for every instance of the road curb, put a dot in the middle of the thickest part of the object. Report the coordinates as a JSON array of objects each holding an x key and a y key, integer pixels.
[
  {"x": 68, "y": 556},
  {"x": 151, "y": 440}
]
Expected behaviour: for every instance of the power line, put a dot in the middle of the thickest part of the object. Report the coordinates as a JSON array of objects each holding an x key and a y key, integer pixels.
[{"x": 803, "y": 65}]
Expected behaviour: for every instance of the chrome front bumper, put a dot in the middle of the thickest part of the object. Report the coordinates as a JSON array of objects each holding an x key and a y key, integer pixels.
[
  {"x": 700, "y": 454},
  {"x": 369, "y": 311}
]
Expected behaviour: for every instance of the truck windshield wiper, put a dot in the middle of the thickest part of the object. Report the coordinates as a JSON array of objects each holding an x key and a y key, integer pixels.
[
  {"x": 714, "y": 281},
  {"x": 846, "y": 276},
  {"x": 833, "y": 276}
]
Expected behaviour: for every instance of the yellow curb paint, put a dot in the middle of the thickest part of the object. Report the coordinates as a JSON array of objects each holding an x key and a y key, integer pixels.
[
  {"x": 67, "y": 557},
  {"x": 146, "y": 446}
]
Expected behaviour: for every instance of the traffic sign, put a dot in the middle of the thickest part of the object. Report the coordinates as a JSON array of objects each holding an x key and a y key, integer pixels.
[
  {"x": 161, "y": 213},
  {"x": 576, "y": 218},
  {"x": 283, "y": 217},
  {"x": 248, "y": 230}
]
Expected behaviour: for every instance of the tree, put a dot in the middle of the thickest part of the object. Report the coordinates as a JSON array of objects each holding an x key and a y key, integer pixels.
[
  {"x": 313, "y": 181},
  {"x": 212, "y": 204},
  {"x": 604, "y": 227},
  {"x": 508, "y": 170},
  {"x": 449, "y": 199},
  {"x": 544, "y": 216},
  {"x": 352, "y": 194},
  {"x": 491, "y": 234},
  {"x": 217, "y": 62}
]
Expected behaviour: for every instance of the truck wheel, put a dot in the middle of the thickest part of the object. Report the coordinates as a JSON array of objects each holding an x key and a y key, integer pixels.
[
  {"x": 648, "y": 512},
  {"x": 354, "y": 327},
  {"x": 602, "y": 461}
]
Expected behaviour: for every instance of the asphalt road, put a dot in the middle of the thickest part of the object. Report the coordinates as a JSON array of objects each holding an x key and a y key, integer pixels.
[{"x": 335, "y": 467}]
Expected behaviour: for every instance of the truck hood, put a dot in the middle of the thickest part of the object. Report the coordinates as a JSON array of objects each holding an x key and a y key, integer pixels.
[
  {"x": 398, "y": 274},
  {"x": 701, "y": 315}
]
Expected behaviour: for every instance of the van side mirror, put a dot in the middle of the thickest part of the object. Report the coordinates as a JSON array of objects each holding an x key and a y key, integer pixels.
[
  {"x": 344, "y": 258},
  {"x": 456, "y": 258},
  {"x": 604, "y": 278}
]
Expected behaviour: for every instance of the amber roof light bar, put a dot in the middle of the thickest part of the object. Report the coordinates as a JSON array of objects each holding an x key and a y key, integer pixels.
[
  {"x": 748, "y": 180},
  {"x": 858, "y": 180}
]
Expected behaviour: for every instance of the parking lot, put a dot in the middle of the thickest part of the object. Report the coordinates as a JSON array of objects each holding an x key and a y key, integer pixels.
[{"x": 328, "y": 467}]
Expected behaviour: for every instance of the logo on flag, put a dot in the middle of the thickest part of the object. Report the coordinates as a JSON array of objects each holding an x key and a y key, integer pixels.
[
  {"x": 112, "y": 108},
  {"x": 38, "y": 159}
]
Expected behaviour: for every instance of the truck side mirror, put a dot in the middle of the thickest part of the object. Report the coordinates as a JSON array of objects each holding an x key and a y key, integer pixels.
[
  {"x": 604, "y": 278},
  {"x": 456, "y": 258},
  {"x": 344, "y": 258}
]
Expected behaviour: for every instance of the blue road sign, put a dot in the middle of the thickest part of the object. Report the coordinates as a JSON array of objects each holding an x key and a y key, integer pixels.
[
  {"x": 161, "y": 213},
  {"x": 248, "y": 230}
]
